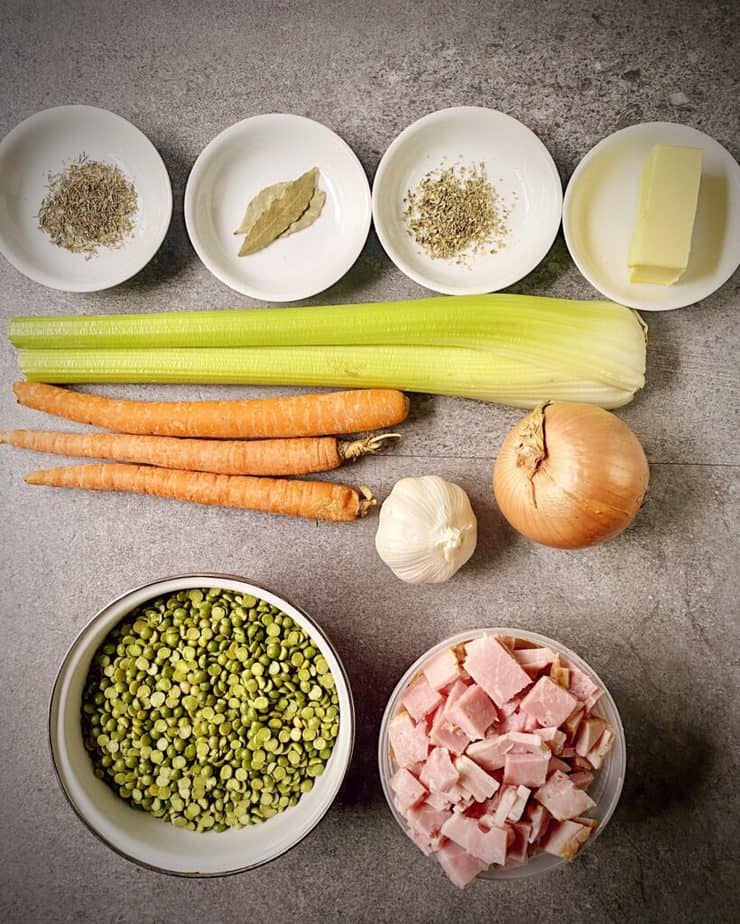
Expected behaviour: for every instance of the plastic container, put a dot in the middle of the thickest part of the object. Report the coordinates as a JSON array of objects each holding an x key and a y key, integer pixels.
[
  {"x": 605, "y": 789},
  {"x": 150, "y": 841}
]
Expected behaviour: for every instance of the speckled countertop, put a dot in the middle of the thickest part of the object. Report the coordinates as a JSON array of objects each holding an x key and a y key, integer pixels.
[{"x": 654, "y": 611}]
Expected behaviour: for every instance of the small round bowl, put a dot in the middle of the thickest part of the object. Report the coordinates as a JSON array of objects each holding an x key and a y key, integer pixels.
[
  {"x": 256, "y": 153},
  {"x": 601, "y": 206},
  {"x": 520, "y": 169},
  {"x": 605, "y": 790},
  {"x": 152, "y": 842},
  {"x": 49, "y": 141}
]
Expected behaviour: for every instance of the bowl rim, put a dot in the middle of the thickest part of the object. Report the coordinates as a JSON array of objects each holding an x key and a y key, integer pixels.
[
  {"x": 55, "y": 282},
  {"x": 195, "y": 177},
  {"x": 440, "y": 115},
  {"x": 458, "y": 639},
  {"x": 53, "y": 711}
]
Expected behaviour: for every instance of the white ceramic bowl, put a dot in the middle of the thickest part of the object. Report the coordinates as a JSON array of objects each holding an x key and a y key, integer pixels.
[
  {"x": 520, "y": 169},
  {"x": 605, "y": 790},
  {"x": 256, "y": 153},
  {"x": 46, "y": 143},
  {"x": 150, "y": 841},
  {"x": 601, "y": 206}
]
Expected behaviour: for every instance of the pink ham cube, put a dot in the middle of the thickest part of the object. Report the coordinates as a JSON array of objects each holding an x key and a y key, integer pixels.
[
  {"x": 427, "y": 820},
  {"x": 408, "y": 741},
  {"x": 439, "y": 800},
  {"x": 562, "y": 799},
  {"x": 487, "y": 845},
  {"x": 425, "y": 844},
  {"x": 549, "y": 703},
  {"x": 494, "y": 668},
  {"x": 602, "y": 747},
  {"x": 526, "y": 769},
  {"x": 407, "y": 789},
  {"x": 475, "y": 780},
  {"x": 589, "y": 732},
  {"x": 534, "y": 659},
  {"x": 508, "y": 796},
  {"x": 490, "y": 752},
  {"x": 420, "y": 699},
  {"x": 553, "y": 738},
  {"x": 515, "y": 722},
  {"x": 581, "y": 685},
  {"x": 444, "y": 734},
  {"x": 442, "y": 670},
  {"x": 564, "y": 839},
  {"x": 573, "y": 723},
  {"x": 525, "y": 743},
  {"x": 517, "y": 853},
  {"x": 539, "y": 818},
  {"x": 556, "y": 764},
  {"x": 439, "y": 773},
  {"x": 520, "y": 803},
  {"x": 460, "y": 867},
  {"x": 582, "y": 779},
  {"x": 473, "y": 712}
]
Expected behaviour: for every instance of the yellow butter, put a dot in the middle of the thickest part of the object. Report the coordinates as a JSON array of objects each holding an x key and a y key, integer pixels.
[{"x": 669, "y": 190}]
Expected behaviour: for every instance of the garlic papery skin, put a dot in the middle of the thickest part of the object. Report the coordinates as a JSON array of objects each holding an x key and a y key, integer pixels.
[{"x": 427, "y": 530}]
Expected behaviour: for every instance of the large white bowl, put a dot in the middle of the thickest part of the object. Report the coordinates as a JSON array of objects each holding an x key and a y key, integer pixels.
[
  {"x": 601, "y": 206},
  {"x": 150, "y": 841},
  {"x": 519, "y": 167},
  {"x": 46, "y": 143},
  {"x": 256, "y": 153},
  {"x": 605, "y": 790}
]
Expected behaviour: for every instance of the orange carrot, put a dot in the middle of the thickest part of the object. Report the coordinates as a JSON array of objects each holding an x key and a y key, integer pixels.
[
  {"x": 258, "y": 418},
  {"x": 299, "y": 456},
  {"x": 316, "y": 500}
]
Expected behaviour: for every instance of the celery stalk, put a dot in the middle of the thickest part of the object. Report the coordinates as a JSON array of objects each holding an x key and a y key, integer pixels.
[{"x": 437, "y": 370}]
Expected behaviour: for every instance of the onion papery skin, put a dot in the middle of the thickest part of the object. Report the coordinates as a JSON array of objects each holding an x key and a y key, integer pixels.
[{"x": 570, "y": 476}]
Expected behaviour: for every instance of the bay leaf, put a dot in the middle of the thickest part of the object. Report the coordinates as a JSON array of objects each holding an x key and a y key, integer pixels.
[
  {"x": 258, "y": 204},
  {"x": 313, "y": 210},
  {"x": 284, "y": 207}
]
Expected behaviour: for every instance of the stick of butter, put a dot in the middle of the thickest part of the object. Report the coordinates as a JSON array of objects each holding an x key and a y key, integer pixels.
[{"x": 666, "y": 207}]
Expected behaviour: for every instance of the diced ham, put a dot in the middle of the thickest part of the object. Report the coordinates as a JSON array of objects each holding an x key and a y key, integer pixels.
[
  {"x": 562, "y": 799},
  {"x": 548, "y": 703},
  {"x": 602, "y": 747},
  {"x": 552, "y": 736},
  {"x": 581, "y": 685},
  {"x": 589, "y": 822},
  {"x": 425, "y": 844},
  {"x": 408, "y": 741},
  {"x": 510, "y": 708},
  {"x": 439, "y": 773},
  {"x": 517, "y": 809},
  {"x": 568, "y": 753},
  {"x": 526, "y": 769},
  {"x": 420, "y": 699},
  {"x": 407, "y": 789},
  {"x": 494, "y": 668},
  {"x": 478, "y": 783},
  {"x": 487, "y": 845},
  {"x": 439, "y": 800},
  {"x": 427, "y": 820},
  {"x": 442, "y": 670},
  {"x": 582, "y": 779},
  {"x": 539, "y": 818},
  {"x": 580, "y": 763},
  {"x": 490, "y": 753},
  {"x": 446, "y": 735},
  {"x": 455, "y": 692},
  {"x": 534, "y": 659},
  {"x": 556, "y": 764},
  {"x": 515, "y": 722},
  {"x": 461, "y": 798},
  {"x": 473, "y": 712},
  {"x": 573, "y": 722},
  {"x": 525, "y": 743},
  {"x": 460, "y": 867},
  {"x": 589, "y": 733},
  {"x": 564, "y": 839},
  {"x": 507, "y": 797},
  {"x": 517, "y": 851}
]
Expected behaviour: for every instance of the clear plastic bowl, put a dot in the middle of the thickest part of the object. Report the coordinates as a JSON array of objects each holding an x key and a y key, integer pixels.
[{"x": 605, "y": 789}]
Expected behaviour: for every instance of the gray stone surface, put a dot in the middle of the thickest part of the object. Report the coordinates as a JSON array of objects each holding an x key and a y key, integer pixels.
[{"x": 655, "y": 611}]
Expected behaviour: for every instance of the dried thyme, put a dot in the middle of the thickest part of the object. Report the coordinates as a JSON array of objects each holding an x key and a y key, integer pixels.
[
  {"x": 455, "y": 212},
  {"x": 90, "y": 204}
]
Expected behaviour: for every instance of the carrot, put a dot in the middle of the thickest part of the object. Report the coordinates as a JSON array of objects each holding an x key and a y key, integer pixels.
[
  {"x": 316, "y": 500},
  {"x": 258, "y": 418},
  {"x": 298, "y": 456}
]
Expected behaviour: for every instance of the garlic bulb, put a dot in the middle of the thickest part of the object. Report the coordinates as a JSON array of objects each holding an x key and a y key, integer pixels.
[{"x": 427, "y": 530}]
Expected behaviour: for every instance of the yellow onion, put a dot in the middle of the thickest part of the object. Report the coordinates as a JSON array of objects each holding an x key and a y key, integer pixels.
[{"x": 570, "y": 475}]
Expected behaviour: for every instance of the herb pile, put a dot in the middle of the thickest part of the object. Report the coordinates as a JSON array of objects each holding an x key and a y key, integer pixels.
[
  {"x": 209, "y": 709},
  {"x": 455, "y": 212},
  {"x": 88, "y": 205}
]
